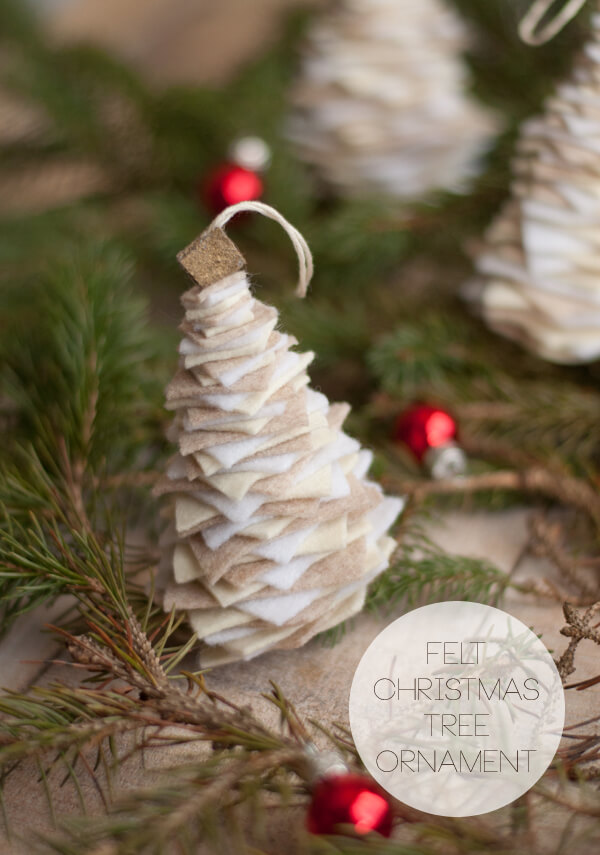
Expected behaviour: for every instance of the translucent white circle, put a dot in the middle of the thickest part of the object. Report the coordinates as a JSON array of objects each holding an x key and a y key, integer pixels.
[{"x": 457, "y": 708}]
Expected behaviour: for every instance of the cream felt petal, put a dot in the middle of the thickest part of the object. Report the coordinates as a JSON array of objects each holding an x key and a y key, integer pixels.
[
  {"x": 190, "y": 513},
  {"x": 206, "y": 621},
  {"x": 185, "y": 565},
  {"x": 228, "y": 635},
  {"x": 271, "y": 515},
  {"x": 320, "y": 538},
  {"x": 267, "y": 529}
]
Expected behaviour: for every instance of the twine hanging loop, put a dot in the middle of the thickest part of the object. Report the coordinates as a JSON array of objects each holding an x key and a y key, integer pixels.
[
  {"x": 530, "y": 30},
  {"x": 305, "y": 259}
]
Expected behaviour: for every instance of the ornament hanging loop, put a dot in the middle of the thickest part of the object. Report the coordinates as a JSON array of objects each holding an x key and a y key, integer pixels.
[
  {"x": 305, "y": 259},
  {"x": 530, "y": 30}
]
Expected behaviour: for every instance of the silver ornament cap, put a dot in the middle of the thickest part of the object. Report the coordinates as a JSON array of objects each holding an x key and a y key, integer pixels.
[{"x": 446, "y": 461}]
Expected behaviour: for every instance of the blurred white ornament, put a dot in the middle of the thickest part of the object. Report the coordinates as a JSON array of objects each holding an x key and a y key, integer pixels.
[
  {"x": 250, "y": 152},
  {"x": 539, "y": 269},
  {"x": 381, "y": 104}
]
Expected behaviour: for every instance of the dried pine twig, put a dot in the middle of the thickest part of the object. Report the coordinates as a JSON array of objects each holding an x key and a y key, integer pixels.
[{"x": 577, "y": 628}]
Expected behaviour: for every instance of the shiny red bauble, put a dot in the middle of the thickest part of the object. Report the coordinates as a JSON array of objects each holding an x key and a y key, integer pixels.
[
  {"x": 423, "y": 427},
  {"x": 229, "y": 184},
  {"x": 349, "y": 800}
]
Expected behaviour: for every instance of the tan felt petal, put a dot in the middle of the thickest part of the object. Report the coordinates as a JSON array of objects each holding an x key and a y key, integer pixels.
[
  {"x": 336, "y": 569},
  {"x": 215, "y": 563},
  {"x": 188, "y": 596}
]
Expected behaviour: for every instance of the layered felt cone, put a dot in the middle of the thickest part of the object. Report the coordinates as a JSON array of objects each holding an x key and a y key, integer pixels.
[
  {"x": 381, "y": 104},
  {"x": 539, "y": 269},
  {"x": 276, "y": 531}
]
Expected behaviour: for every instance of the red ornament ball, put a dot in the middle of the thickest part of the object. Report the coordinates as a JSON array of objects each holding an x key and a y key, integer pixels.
[
  {"x": 349, "y": 799},
  {"x": 423, "y": 427},
  {"x": 229, "y": 184}
]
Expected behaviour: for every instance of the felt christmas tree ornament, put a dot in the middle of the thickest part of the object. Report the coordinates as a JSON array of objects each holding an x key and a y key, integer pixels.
[
  {"x": 539, "y": 269},
  {"x": 275, "y": 531},
  {"x": 381, "y": 104}
]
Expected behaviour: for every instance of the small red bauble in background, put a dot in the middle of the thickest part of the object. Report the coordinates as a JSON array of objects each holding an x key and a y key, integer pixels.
[
  {"x": 430, "y": 434},
  {"x": 351, "y": 800},
  {"x": 229, "y": 184},
  {"x": 239, "y": 178}
]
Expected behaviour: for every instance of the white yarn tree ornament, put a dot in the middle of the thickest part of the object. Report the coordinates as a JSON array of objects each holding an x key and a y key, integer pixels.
[
  {"x": 381, "y": 104},
  {"x": 539, "y": 268},
  {"x": 276, "y": 530}
]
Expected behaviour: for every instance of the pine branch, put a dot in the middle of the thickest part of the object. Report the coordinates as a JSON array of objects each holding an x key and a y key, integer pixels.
[{"x": 421, "y": 573}]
